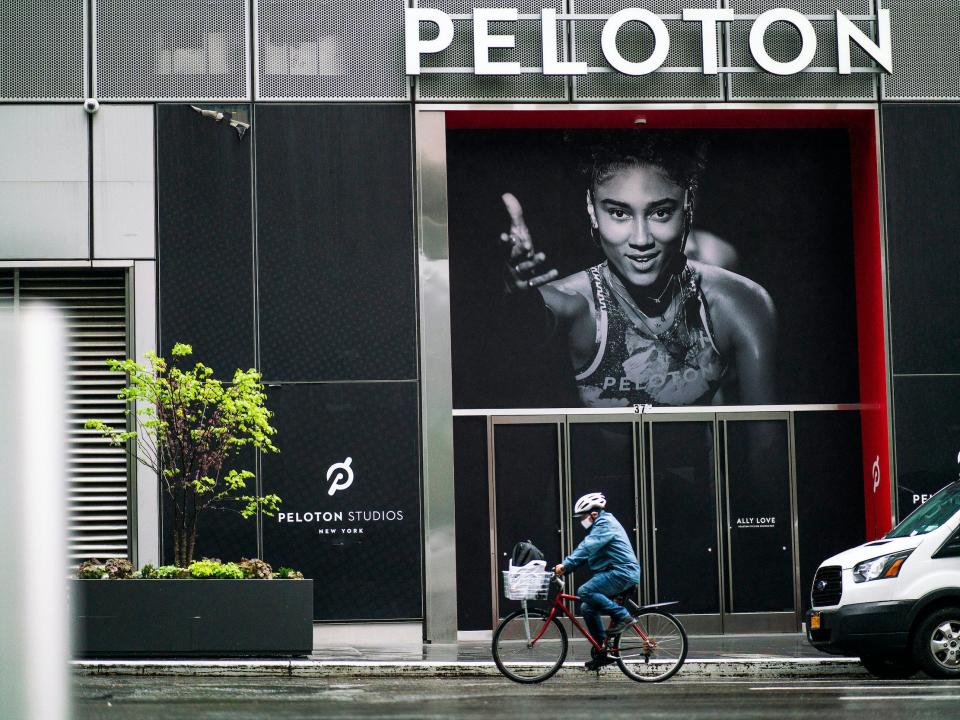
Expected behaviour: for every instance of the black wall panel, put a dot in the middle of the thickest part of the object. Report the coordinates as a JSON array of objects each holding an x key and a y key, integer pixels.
[
  {"x": 471, "y": 488},
  {"x": 222, "y": 534},
  {"x": 335, "y": 242},
  {"x": 830, "y": 502},
  {"x": 921, "y": 146},
  {"x": 927, "y": 434},
  {"x": 205, "y": 239},
  {"x": 362, "y": 543}
]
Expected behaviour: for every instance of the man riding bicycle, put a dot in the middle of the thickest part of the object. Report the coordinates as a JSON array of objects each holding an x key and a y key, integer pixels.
[{"x": 607, "y": 552}]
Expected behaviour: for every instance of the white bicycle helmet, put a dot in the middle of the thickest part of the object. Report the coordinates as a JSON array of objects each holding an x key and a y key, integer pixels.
[{"x": 588, "y": 502}]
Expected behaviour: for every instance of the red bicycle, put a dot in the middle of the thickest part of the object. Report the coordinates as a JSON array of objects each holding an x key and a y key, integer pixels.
[{"x": 530, "y": 644}]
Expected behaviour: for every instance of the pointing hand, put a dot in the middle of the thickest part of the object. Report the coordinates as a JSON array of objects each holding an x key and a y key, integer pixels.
[{"x": 525, "y": 267}]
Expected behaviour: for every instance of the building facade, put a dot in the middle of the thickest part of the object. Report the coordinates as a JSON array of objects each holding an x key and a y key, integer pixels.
[{"x": 278, "y": 184}]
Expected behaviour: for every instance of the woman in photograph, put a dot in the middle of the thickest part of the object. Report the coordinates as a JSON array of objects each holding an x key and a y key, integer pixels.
[{"x": 649, "y": 325}]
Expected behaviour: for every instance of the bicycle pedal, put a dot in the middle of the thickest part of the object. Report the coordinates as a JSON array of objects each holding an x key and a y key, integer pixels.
[{"x": 596, "y": 664}]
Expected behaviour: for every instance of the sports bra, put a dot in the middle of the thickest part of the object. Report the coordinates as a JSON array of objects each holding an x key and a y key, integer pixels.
[{"x": 631, "y": 365}]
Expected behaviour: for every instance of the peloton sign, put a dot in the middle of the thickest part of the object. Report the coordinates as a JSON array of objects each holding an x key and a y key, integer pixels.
[{"x": 419, "y": 20}]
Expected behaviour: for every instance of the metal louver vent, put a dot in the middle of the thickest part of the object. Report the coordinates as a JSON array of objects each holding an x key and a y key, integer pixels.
[
  {"x": 93, "y": 303},
  {"x": 6, "y": 289}
]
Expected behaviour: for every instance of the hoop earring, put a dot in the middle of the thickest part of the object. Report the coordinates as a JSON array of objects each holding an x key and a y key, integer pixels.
[{"x": 594, "y": 235}]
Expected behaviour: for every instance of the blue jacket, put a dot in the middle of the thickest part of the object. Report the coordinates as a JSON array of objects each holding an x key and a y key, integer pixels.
[{"x": 606, "y": 547}]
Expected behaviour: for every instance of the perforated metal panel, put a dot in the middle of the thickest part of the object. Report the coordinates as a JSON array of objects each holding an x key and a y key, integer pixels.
[
  {"x": 783, "y": 44},
  {"x": 42, "y": 49},
  {"x": 172, "y": 49},
  {"x": 330, "y": 50},
  {"x": 528, "y": 51},
  {"x": 635, "y": 42},
  {"x": 94, "y": 306},
  {"x": 926, "y": 50}
]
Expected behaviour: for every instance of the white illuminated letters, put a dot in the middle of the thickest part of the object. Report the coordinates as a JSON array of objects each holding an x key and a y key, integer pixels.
[
  {"x": 552, "y": 66},
  {"x": 661, "y": 41},
  {"x": 483, "y": 41},
  {"x": 882, "y": 52},
  {"x": 808, "y": 41},
  {"x": 708, "y": 19},
  {"x": 414, "y": 45}
]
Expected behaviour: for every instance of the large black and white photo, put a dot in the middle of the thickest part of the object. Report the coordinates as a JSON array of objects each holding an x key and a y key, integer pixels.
[{"x": 605, "y": 268}]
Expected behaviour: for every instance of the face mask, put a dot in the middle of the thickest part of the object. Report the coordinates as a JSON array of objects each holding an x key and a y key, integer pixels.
[{"x": 587, "y": 522}]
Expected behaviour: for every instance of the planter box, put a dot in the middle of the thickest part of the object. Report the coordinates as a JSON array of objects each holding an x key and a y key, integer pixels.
[{"x": 192, "y": 618}]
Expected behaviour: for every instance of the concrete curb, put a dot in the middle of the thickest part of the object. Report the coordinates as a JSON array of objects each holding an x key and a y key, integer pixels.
[{"x": 712, "y": 668}]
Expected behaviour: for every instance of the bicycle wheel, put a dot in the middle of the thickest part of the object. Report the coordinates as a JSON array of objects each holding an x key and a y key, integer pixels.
[
  {"x": 657, "y": 653},
  {"x": 523, "y": 660}
]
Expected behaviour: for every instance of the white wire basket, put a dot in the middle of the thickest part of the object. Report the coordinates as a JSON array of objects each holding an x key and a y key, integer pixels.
[{"x": 520, "y": 585}]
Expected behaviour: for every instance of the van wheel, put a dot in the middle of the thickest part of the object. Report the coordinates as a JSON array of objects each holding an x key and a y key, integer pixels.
[
  {"x": 936, "y": 644},
  {"x": 889, "y": 667}
]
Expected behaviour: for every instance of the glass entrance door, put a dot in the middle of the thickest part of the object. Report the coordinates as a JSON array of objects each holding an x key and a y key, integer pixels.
[
  {"x": 602, "y": 457},
  {"x": 708, "y": 500},
  {"x": 721, "y": 511},
  {"x": 761, "y": 568},
  {"x": 527, "y": 464},
  {"x": 683, "y": 542}
]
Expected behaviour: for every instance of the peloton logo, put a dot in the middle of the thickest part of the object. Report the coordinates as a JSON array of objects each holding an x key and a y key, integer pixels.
[
  {"x": 343, "y": 521},
  {"x": 486, "y": 20},
  {"x": 876, "y": 472},
  {"x": 341, "y": 475}
]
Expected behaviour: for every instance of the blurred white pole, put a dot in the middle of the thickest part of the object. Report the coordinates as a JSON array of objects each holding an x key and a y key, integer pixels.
[{"x": 34, "y": 619}]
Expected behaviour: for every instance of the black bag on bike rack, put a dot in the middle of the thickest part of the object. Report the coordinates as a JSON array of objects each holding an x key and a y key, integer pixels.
[{"x": 524, "y": 552}]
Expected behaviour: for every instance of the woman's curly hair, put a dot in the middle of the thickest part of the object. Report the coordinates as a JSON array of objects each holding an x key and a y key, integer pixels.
[{"x": 681, "y": 154}]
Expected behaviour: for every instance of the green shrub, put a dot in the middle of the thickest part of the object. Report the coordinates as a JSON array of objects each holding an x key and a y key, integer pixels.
[
  {"x": 285, "y": 573},
  {"x": 256, "y": 569},
  {"x": 171, "y": 572},
  {"x": 91, "y": 569},
  {"x": 206, "y": 568},
  {"x": 120, "y": 569},
  {"x": 229, "y": 571}
]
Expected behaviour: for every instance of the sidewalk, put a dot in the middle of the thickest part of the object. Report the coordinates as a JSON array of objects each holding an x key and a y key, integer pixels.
[{"x": 710, "y": 656}]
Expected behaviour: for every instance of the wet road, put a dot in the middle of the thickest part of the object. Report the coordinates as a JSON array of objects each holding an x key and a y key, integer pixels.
[{"x": 610, "y": 696}]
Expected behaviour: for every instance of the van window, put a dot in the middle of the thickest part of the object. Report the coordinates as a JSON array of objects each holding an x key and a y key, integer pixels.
[
  {"x": 931, "y": 515},
  {"x": 950, "y": 548}
]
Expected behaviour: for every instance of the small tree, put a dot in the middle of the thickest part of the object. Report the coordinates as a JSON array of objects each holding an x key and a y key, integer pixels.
[{"x": 190, "y": 427}]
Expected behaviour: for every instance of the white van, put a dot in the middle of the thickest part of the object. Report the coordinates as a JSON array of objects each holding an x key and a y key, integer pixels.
[{"x": 895, "y": 602}]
